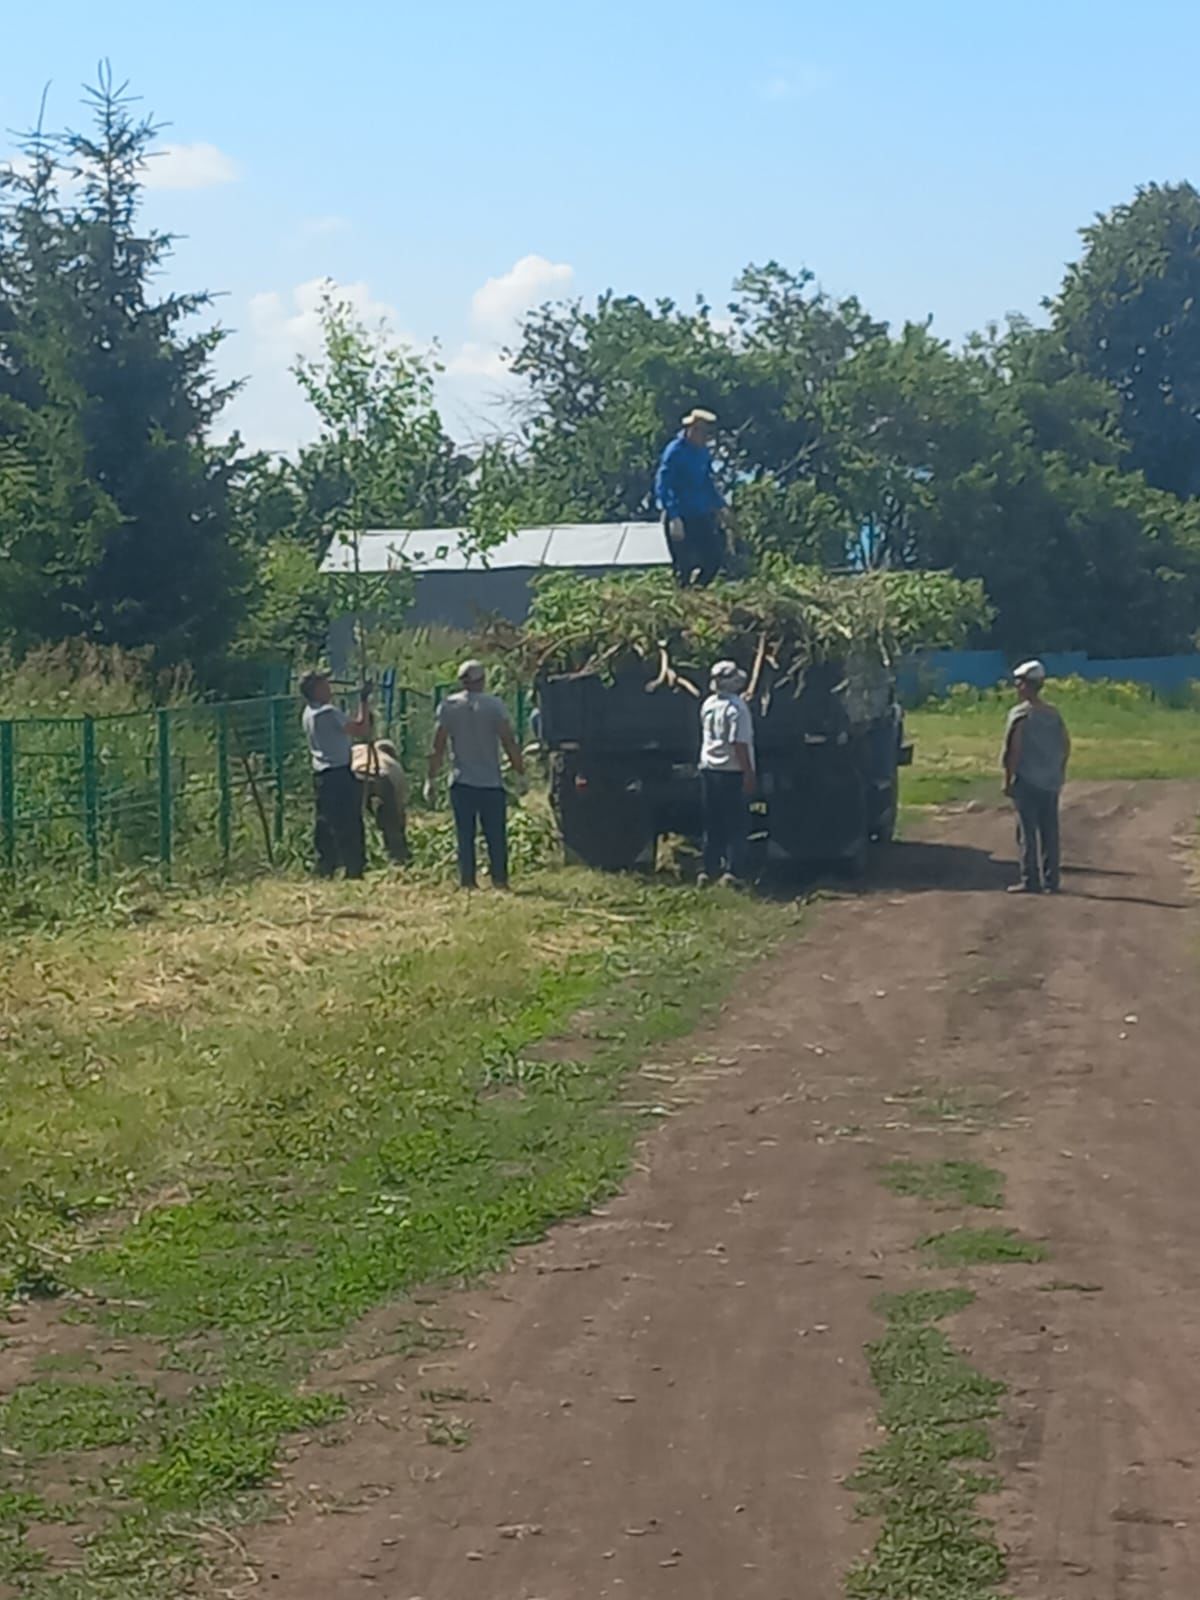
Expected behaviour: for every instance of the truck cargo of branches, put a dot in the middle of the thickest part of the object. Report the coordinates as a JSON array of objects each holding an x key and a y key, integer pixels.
[
  {"x": 621, "y": 666},
  {"x": 623, "y": 755}
]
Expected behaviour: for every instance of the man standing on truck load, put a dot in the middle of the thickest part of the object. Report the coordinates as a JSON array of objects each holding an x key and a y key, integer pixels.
[
  {"x": 338, "y": 832},
  {"x": 726, "y": 773},
  {"x": 476, "y": 726},
  {"x": 692, "y": 506},
  {"x": 1037, "y": 748}
]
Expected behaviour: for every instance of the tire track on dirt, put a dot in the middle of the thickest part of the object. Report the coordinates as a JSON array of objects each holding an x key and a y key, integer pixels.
[{"x": 665, "y": 1397}]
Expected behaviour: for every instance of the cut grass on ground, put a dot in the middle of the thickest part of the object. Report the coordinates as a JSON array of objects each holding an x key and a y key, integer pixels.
[
  {"x": 934, "y": 1407},
  {"x": 250, "y": 1120},
  {"x": 1118, "y": 730},
  {"x": 947, "y": 1183},
  {"x": 970, "y": 1247}
]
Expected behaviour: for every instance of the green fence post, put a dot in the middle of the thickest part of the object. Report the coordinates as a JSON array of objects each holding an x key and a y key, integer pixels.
[
  {"x": 224, "y": 799},
  {"x": 8, "y": 794},
  {"x": 405, "y": 734},
  {"x": 521, "y": 713},
  {"x": 165, "y": 841},
  {"x": 278, "y": 762},
  {"x": 91, "y": 798}
]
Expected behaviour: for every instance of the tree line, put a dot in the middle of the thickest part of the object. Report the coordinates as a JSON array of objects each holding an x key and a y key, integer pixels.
[{"x": 1058, "y": 462}]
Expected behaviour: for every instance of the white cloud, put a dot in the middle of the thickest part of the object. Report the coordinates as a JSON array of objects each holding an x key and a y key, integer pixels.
[
  {"x": 189, "y": 166},
  {"x": 475, "y": 390},
  {"x": 271, "y": 413},
  {"x": 475, "y": 360},
  {"x": 291, "y": 323},
  {"x": 793, "y": 83},
  {"x": 496, "y": 303},
  {"x": 323, "y": 227},
  {"x": 17, "y": 166}
]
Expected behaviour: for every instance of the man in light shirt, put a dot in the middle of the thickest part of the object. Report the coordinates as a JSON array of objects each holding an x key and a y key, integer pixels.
[
  {"x": 726, "y": 773},
  {"x": 476, "y": 727},
  {"x": 1037, "y": 748},
  {"x": 338, "y": 832}
]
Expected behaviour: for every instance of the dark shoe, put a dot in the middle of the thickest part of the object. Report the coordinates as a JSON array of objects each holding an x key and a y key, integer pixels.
[
  {"x": 1023, "y": 888},
  {"x": 1052, "y": 888}
]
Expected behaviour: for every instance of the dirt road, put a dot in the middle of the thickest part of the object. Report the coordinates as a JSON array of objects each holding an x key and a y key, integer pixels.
[{"x": 663, "y": 1399}]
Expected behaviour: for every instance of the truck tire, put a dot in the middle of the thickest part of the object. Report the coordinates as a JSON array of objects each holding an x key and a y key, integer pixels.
[
  {"x": 854, "y": 866},
  {"x": 603, "y": 821},
  {"x": 884, "y": 830}
]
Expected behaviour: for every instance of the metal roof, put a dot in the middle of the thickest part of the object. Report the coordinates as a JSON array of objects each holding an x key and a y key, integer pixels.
[{"x": 583, "y": 544}]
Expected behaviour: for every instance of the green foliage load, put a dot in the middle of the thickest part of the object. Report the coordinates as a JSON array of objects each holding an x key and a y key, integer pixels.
[{"x": 784, "y": 618}]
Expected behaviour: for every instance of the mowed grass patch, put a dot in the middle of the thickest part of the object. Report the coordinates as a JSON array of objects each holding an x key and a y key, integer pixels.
[
  {"x": 947, "y": 1183},
  {"x": 1118, "y": 730},
  {"x": 924, "y": 1481},
  {"x": 249, "y": 1120},
  {"x": 971, "y": 1247}
]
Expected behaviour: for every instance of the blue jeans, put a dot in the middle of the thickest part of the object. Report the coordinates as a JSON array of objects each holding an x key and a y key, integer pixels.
[
  {"x": 480, "y": 808},
  {"x": 723, "y": 800},
  {"x": 1037, "y": 835}
]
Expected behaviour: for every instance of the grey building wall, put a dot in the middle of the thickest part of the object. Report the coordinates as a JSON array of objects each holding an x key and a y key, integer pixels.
[{"x": 457, "y": 600}]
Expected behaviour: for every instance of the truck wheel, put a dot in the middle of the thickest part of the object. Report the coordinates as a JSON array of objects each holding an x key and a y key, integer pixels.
[
  {"x": 854, "y": 865},
  {"x": 603, "y": 821},
  {"x": 884, "y": 830}
]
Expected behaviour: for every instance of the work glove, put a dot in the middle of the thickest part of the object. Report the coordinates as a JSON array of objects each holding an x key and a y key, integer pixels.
[{"x": 675, "y": 529}]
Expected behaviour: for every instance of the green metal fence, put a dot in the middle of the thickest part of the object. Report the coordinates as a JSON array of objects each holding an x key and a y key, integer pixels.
[{"x": 195, "y": 789}]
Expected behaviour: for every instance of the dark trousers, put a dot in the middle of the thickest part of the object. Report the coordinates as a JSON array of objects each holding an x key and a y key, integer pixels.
[
  {"x": 338, "y": 835},
  {"x": 391, "y": 818},
  {"x": 480, "y": 808},
  {"x": 696, "y": 558},
  {"x": 723, "y": 802},
  {"x": 1037, "y": 835}
]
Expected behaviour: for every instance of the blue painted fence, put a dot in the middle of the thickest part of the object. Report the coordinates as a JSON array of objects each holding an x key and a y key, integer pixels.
[{"x": 935, "y": 671}]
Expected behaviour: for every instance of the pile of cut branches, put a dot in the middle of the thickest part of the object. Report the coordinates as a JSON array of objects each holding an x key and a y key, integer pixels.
[{"x": 785, "y": 618}]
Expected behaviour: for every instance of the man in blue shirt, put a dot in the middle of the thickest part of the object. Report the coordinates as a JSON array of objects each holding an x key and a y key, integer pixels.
[{"x": 691, "y": 503}]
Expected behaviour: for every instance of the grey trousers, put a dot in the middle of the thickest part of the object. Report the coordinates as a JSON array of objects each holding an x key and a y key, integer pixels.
[{"x": 1037, "y": 835}]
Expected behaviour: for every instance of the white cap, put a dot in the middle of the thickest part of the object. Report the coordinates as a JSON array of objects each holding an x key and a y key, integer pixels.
[
  {"x": 471, "y": 672},
  {"x": 1031, "y": 671},
  {"x": 728, "y": 673}
]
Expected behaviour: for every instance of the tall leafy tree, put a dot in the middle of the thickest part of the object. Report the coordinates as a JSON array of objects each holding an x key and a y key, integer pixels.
[
  {"x": 115, "y": 383},
  {"x": 1129, "y": 313}
]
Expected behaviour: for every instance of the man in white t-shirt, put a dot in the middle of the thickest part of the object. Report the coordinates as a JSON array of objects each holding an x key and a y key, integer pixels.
[
  {"x": 726, "y": 773},
  {"x": 338, "y": 833}
]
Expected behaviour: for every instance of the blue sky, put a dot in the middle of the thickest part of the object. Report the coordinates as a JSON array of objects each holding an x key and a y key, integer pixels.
[{"x": 450, "y": 163}]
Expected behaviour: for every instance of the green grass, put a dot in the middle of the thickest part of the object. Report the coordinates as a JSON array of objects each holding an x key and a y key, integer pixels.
[
  {"x": 947, "y": 1183},
  {"x": 225, "y": 1444},
  {"x": 934, "y": 1406},
  {"x": 969, "y": 1247},
  {"x": 52, "y": 1418},
  {"x": 1119, "y": 730},
  {"x": 253, "y": 1116}
]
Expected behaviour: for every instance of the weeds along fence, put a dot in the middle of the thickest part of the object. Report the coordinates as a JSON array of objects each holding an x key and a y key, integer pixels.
[{"x": 193, "y": 789}]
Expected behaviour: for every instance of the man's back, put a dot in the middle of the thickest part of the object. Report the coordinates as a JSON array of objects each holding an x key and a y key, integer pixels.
[
  {"x": 475, "y": 723},
  {"x": 1042, "y": 758}
]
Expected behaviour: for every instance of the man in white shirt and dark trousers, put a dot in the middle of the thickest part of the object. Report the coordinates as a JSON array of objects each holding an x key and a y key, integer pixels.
[
  {"x": 476, "y": 726},
  {"x": 726, "y": 773},
  {"x": 338, "y": 833}
]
